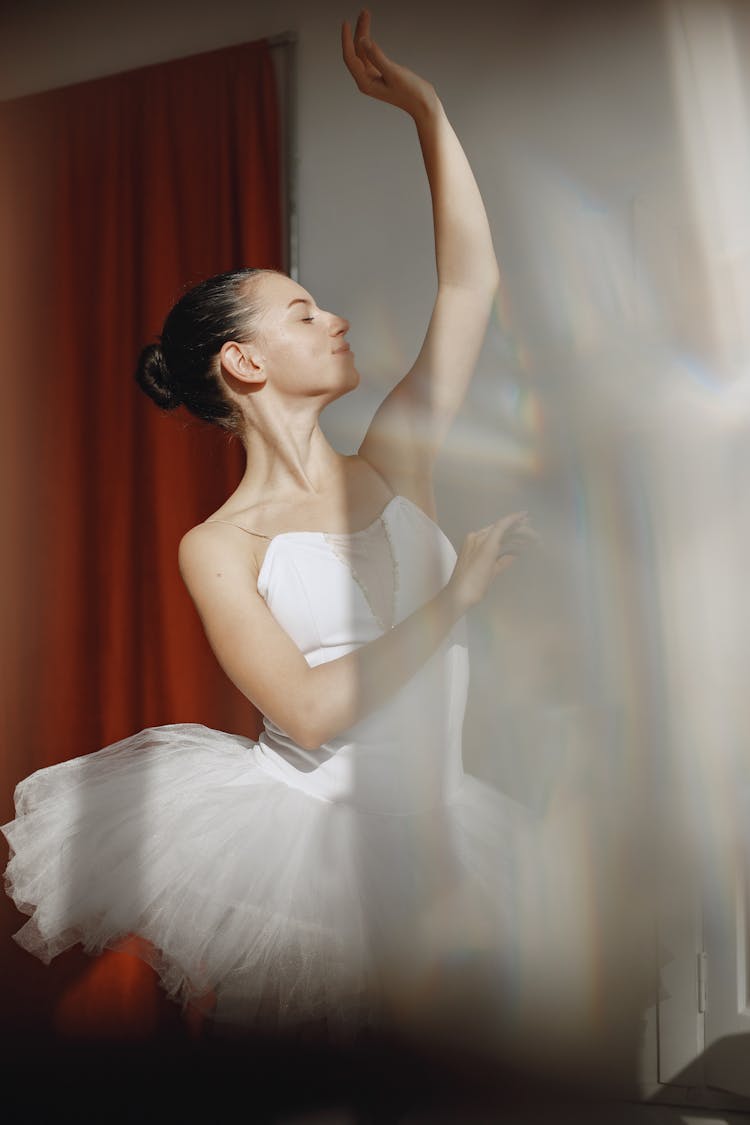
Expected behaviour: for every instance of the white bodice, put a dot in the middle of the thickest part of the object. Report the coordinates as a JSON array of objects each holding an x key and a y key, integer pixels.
[{"x": 333, "y": 593}]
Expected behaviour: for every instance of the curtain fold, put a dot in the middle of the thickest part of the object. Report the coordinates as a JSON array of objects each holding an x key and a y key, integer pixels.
[
  {"x": 115, "y": 195},
  {"x": 122, "y": 192}
]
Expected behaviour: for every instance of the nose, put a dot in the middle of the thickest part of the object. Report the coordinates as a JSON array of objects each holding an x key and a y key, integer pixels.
[{"x": 339, "y": 325}]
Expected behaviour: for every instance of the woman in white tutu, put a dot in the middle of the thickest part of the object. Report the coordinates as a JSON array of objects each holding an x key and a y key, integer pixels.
[{"x": 335, "y": 870}]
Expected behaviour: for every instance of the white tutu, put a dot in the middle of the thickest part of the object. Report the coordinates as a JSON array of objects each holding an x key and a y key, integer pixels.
[
  {"x": 285, "y": 907},
  {"x": 366, "y": 881}
]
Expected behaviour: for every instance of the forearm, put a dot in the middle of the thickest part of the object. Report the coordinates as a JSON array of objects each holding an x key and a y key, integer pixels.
[
  {"x": 345, "y": 690},
  {"x": 464, "y": 252}
]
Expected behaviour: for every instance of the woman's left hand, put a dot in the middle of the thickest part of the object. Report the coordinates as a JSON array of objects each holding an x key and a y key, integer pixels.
[{"x": 378, "y": 76}]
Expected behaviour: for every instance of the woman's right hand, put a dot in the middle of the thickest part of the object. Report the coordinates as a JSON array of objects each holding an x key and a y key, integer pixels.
[{"x": 487, "y": 553}]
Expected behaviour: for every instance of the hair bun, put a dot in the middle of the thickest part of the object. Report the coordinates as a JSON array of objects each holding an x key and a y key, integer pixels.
[{"x": 152, "y": 375}]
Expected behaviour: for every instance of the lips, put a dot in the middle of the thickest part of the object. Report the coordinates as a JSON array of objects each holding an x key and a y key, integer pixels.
[{"x": 343, "y": 348}]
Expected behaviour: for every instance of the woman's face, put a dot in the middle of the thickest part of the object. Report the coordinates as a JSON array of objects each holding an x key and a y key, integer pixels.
[{"x": 303, "y": 348}]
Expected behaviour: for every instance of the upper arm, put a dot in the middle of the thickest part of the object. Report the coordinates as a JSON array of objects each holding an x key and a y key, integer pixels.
[
  {"x": 254, "y": 651},
  {"x": 410, "y": 425}
]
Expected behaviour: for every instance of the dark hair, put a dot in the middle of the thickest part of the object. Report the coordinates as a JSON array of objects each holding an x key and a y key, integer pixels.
[{"x": 180, "y": 370}]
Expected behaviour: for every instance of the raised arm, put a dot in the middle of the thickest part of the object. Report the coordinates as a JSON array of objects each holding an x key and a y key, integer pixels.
[{"x": 409, "y": 427}]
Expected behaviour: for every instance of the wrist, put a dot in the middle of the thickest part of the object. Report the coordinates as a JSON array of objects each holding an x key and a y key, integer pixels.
[
  {"x": 428, "y": 106},
  {"x": 452, "y": 604}
]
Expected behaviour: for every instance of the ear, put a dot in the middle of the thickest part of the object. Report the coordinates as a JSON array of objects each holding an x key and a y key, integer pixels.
[{"x": 243, "y": 361}]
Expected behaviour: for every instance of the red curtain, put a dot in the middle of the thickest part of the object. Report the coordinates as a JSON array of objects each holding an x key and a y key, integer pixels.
[{"x": 114, "y": 195}]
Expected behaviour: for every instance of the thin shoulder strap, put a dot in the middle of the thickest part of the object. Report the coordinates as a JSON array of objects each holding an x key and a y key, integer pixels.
[{"x": 245, "y": 529}]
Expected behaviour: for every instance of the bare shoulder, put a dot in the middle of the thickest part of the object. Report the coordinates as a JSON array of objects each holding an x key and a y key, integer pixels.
[
  {"x": 212, "y": 551},
  {"x": 255, "y": 652}
]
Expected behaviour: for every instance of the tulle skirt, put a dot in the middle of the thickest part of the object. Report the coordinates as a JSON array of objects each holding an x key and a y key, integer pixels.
[{"x": 262, "y": 904}]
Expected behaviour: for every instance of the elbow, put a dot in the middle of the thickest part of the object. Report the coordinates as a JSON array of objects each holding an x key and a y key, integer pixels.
[
  {"x": 320, "y": 721},
  {"x": 483, "y": 284},
  {"x": 487, "y": 276},
  {"x": 302, "y": 730},
  {"x": 309, "y": 736},
  {"x": 309, "y": 731},
  {"x": 483, "y": 273},
  {"x": 494, "y": 279},
  {"x": 319, "y": 712}
]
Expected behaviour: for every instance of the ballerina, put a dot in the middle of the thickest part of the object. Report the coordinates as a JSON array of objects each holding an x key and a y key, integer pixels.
[{"x": 330, "y": 870}]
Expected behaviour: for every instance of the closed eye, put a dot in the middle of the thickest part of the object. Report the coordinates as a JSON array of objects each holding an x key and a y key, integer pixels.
[{"x": 308, "y": 318}]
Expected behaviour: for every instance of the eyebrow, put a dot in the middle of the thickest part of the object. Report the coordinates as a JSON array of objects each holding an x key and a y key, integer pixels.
[{"x": 298, "y": 301}]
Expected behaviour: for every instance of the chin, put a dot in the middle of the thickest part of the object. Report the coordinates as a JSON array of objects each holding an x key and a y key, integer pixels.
[
  {"x": 351, "y": 381},
  {"x": 345, "y": 386}
]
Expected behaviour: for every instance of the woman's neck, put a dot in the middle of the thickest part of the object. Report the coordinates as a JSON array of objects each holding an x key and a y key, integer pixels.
[{"x": 289, "y": 461}]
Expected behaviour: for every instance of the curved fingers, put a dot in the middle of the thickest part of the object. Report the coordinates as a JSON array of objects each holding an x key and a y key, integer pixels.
[
  {"x": 376, "y": 57},
  {"x": 364, "y": 59},
  {"x": 503, "y": 563},
  {"x": 356, "y": 61},
  {"x": 351, "y": 58},
  {"x": 362, "y": 42},
  {"x": 365, "y": 51}
]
